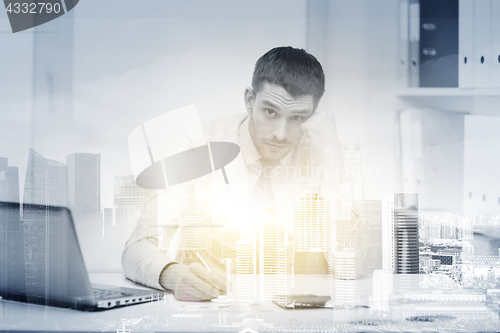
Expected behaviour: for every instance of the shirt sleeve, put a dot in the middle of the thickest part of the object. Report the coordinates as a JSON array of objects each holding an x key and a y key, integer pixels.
[{"x": 143, "y": 259}]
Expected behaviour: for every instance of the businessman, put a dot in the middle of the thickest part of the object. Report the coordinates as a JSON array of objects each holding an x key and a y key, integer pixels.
[{"x": 282, "y": 113}]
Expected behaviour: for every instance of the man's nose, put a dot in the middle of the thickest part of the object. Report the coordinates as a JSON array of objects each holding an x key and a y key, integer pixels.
[{"x": 280, "y": 129}]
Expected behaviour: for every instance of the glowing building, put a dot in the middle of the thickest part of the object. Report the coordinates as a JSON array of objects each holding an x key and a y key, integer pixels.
[
  {"x": 312, "y": 216},
  {"x": 275, "y": 259},
  {"x": 347, "y": 270},
  {"x": 312, "y": 222},
  {"x": 246, "y": 270},
  {"x": 307, "y": 160}
]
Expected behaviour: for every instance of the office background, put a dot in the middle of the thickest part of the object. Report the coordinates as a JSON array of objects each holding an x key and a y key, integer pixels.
[{"x": 117, "y": 64}]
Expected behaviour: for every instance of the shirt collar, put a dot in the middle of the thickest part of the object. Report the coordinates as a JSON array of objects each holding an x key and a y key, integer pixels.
[{"x": 250, "y": 152}]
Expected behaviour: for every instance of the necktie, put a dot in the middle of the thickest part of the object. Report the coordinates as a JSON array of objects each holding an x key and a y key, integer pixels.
[{"x": 263, "y": 196}]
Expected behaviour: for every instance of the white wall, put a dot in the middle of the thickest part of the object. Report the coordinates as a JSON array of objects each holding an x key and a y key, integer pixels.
[{"x": 361, "y": 83}]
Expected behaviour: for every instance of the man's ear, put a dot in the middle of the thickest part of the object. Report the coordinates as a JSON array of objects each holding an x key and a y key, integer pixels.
[
  {"x": 249, "y": 99},
  {"x": 315, "y": 107}
]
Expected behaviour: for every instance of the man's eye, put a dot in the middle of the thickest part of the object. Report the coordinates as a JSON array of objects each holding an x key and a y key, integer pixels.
[
  {"x": 270, "y": 112},
  {"x": 297, "y": 118}
]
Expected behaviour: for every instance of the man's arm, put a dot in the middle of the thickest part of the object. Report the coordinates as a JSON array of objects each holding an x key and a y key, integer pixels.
[{"x": 143, "y": 261}]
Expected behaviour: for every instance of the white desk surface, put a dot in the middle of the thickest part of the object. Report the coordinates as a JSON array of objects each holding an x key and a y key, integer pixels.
[{"x": 169, "y": 314}]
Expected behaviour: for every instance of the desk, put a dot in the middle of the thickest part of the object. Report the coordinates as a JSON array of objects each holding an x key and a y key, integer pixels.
[{"x": 169, "y": 314}]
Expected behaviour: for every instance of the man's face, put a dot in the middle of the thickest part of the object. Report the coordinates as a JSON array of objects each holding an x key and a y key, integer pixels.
[{"x": 275, "y": 119}]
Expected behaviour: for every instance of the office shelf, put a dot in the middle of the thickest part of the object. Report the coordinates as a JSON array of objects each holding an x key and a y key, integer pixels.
[{"x": 455, "y": 92}]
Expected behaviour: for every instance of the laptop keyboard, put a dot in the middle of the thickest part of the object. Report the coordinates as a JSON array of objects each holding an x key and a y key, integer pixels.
[{"x": 108, "y": 294}]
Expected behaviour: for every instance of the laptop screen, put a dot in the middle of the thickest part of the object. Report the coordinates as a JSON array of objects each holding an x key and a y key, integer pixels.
[{"x": 41, "y": 261}]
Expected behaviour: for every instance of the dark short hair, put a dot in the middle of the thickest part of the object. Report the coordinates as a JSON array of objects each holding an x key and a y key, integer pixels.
[{"x": 299, "y": 72}]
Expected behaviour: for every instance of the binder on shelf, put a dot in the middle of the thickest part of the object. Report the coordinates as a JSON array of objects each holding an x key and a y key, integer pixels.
[
  {"x": 414, "y": 42},
  {"x": 495, "y": 45},
  {"x": 465, "y": 28},
  {"x": 481, "y": 41},
  {"x": 438, "y": 43},
  {"x": 450, "y": 43},
  {"x": 403, "y": 66}
]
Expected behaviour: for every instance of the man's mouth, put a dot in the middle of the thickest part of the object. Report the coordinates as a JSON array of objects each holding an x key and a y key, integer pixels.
[{"x": 276, "y": 146}]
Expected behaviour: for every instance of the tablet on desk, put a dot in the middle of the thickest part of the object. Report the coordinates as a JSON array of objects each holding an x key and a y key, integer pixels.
[{"x": 301, "y": 301}]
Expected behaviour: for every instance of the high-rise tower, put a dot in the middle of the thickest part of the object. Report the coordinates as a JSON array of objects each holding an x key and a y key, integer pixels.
[
  {"x": 347, "y": 271},
  {"x": 11, "y": 233},
  {"x": 382, "y": 290},
  {"x": 84, "y": 188},
  {"x": 46, "y": 185},
  {"x": 312, "y": 222},
  {"x": 128, "y": 195},
  {"x": 367, "y": 232},
  {"x": 353, "y": 187},
  {"x": 275, "y": 259},
  {"x": 84, "y": 199},
  {"x": 312, "y": 216},
  {"x": 406, "y": 256},
  {"x": 246, "y": 269}
]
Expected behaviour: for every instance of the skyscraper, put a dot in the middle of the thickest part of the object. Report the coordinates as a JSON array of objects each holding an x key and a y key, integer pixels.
[
  {"x": 312, "y": 217},
  {"x": 307, "y": 160},
  {"x": 406, "y": 256},
  {"x": 84, "y": 199},
  {"x": 367, "y": 228},
  {"x": 84, "y": 189},
  {"x": 11, "y": 233},
  {"x": 195, "y": 214},
  {"x": 275, "y": 259},
  {"x": 353, "y": 187},
  {"x": 388, "y": 233},
  {"x": 46, "y": 181},
  {"x": 195, "y": 232},
  {"x": 403, "y": 211},
  {"x": 382, "y": 290},
  {"x": 45, "y": 185},
  {"x": 347, "y": 271},
  {"x": 9, "y": 181},
  {"x": 464, "y": 226},
  {"x": 312, "y": 222},
  {"x": 132, "y": 205},
  {"x": 128, "y": 195},
  {"x": 246, "y": 269}
]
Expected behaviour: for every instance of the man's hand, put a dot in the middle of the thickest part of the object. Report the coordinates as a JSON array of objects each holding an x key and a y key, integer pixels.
[
  {"x": 193, "y": 282},
  {"x": 322, "y": 129}
]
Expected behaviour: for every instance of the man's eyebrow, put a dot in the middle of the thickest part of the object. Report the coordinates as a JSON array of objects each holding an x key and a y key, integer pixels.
[
  {"x": 302, "y": 112},
  {"x": 270, "y": 104}
]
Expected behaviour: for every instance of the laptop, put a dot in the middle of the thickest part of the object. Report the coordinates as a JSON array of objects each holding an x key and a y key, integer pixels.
[{"x": 41, "y": 262}]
